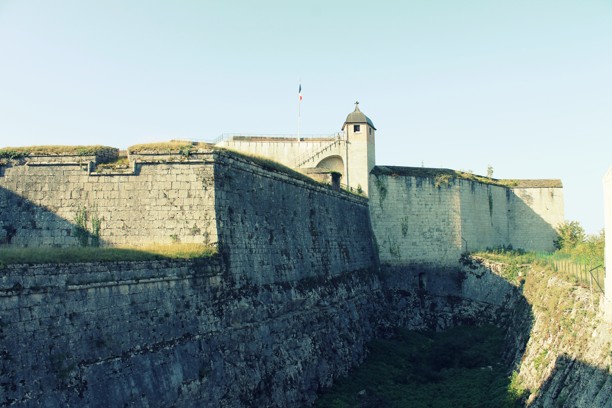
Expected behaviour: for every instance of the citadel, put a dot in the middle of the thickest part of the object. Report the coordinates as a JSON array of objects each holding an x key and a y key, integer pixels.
[{"x": 307, "y": 270}]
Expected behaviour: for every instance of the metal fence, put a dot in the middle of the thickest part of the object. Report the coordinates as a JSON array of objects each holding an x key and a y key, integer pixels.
[{"x": 586, "y": 273}]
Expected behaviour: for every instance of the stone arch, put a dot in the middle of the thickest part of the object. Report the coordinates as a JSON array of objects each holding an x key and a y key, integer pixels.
[{"x": 333, "y": 163}]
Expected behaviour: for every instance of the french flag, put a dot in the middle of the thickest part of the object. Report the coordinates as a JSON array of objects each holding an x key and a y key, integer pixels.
[{"x": 300, "y": 92}]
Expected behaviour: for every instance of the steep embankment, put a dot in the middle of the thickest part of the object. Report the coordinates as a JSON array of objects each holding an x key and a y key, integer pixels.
[
  {"x": 557, "y": 348},
  {"x": 567, "y": 361}
]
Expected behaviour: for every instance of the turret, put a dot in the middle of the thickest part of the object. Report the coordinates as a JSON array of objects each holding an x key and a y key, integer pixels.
[{"x": 360, "y": 156}]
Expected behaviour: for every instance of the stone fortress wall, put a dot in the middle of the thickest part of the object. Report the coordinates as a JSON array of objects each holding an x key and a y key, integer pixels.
[
  {"x": 284, "y": 308},
  {"x": 154, "y": 201},
  {"x": 430, "y": 217}
]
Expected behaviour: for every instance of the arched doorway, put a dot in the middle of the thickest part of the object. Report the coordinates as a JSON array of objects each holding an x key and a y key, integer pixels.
[{"x": 332, "y": 163}]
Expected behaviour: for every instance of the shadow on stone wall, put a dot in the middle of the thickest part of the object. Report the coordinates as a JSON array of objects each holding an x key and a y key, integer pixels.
[
  {"x": 574, "y": 383},
  {"x": 26, "y": 224},
  {"x": 528, "y": 230}
]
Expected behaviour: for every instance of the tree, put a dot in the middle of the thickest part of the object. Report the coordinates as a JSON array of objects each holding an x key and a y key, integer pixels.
[{"x": 569, "y": 234}]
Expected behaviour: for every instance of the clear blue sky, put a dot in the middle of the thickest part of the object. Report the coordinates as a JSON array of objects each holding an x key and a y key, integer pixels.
[{"x": 524, "y": 86}]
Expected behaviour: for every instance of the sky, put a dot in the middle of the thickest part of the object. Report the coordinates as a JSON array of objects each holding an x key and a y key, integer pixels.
[{"x": 522, "y": 86}]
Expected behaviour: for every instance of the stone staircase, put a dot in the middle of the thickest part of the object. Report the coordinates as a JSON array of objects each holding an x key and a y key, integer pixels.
[{"x": 314, "y": 154}]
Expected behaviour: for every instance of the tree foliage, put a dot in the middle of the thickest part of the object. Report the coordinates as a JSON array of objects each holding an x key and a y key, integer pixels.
[{"x": 569, "y": 235}]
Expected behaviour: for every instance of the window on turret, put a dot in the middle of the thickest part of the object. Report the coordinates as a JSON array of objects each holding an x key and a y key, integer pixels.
[{"x": 356, "y": 128}]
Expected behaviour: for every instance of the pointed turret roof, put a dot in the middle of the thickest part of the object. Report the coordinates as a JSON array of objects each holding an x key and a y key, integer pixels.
[{"x": 357, "y": 116}]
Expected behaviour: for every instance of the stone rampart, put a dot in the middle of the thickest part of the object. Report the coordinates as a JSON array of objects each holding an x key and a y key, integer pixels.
[
  {"x": 431, "y": 216},
  {"x": 287, "y": 227},
  {"x": 154, "y": 201},
  {"x": 284, "y": 308},
  {"x": 166, "y": 198}
]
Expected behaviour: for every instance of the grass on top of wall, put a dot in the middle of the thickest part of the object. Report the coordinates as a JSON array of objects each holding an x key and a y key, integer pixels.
[
  {"x": 104, "y": 254},
  {"x": 183, "y": 147},
  {"x": 19, "y": 152},
  {"x": 443, "y": 176}
]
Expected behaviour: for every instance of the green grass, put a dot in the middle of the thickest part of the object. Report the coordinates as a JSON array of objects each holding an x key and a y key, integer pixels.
[
  {"x": 457, "y": 368},
  {"x": 570, "y": 264},
  {"x": 118, "y": 163},
  {"x": 104, "y": 254}
]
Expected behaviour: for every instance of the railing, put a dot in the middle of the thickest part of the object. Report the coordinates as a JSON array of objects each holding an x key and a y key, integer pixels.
[
  {"x": 314, "y": 153},
  {"x": 230, "y": 136},
  {"x": 586, "y": 274},
  {"x": 357, "y": 191}
]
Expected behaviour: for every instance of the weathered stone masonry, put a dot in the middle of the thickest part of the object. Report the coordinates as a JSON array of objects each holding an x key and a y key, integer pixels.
[
  {"x": 430, "y": 216},
  {"x": 285, "y": 308},
  {"x": 160, "y": 200}
]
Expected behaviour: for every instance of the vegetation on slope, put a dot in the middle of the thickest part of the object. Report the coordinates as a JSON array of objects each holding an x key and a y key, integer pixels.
[
  {"x": 567, "y": 332},
  {"x": 417, "y": 369},
  {"x": 103, "y": 254},
  {"x": 579, "y": 257},
  {"x": 457, "y": 368}
]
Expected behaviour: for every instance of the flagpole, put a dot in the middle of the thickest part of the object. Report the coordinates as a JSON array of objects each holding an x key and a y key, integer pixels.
[{"x": 299, "y": 110}]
